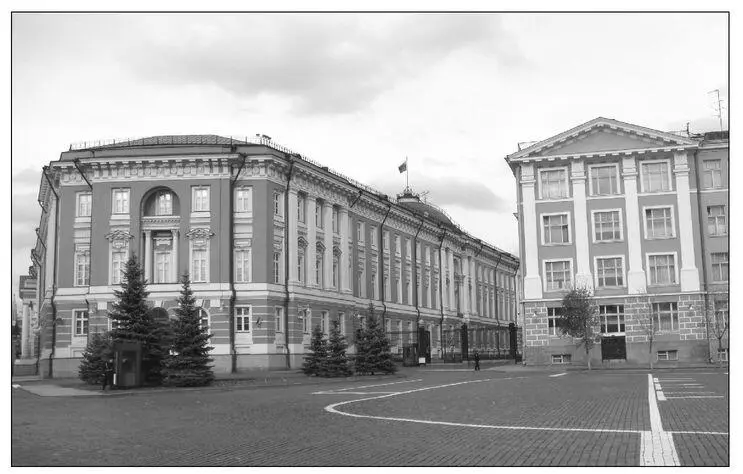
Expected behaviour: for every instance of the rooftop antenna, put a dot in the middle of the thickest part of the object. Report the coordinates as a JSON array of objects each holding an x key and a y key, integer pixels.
[
  {"x": 717, "y": 105},
  {"x": 424, "y": 195}
]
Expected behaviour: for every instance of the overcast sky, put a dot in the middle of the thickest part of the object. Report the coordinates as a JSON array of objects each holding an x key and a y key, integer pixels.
[{"x": 454, "y": 93}]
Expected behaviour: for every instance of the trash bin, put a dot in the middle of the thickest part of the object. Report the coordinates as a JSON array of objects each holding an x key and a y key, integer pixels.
[{"x": 127, "y": 364}]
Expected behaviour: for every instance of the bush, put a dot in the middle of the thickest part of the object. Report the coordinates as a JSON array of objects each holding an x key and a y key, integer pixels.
[
  {"x": 373, "y": 349},
  {"x": 337, "y": 360},
  {"x": 315, "y": 361},
  {"x": 92, "y": 368}
]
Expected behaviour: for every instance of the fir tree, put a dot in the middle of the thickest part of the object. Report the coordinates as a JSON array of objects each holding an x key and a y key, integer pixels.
[
  {"x": 337, "y": 361},
  {"x": 373, "y": 348},
  {"x": 316, "y": 361},
  {"x": 93, "y": 365},
  {"x": 188, "y": 362},
  {"x": 134, "y": 320}
]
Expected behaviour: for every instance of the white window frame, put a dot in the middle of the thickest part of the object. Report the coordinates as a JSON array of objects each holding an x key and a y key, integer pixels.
[
  {"x": 78, "y": 204},
  {"x": 596, "y": 271},
  {"x": 713, "y": 263},
  {"x": 335, "y": 216},
  {"x": 540, "y": 171},
  {"x": 204, "y": 204},
  {"x": 160, "y": 196},
  {"x": 675, "y": 265},
  {"x": 717, "y": 220},
  {"x": 373, "y": 236},
  {"x": 276, "y": 266},
  {"x": 621, "y": 319},
  {"x": 246, "y": 199},
  {"x": 301, "y": 266},
  {"x": 544, "y": 234},
  {"x": 278, "y": 314},
  {"x": 342, "y": 322},
  {"x": 645, "y": 221},
  {"x": 593, "y": 225},
  {"x": 117, "y": 192},
  {"x": 325, "y": 322},
  {"x": 320, "y": 269},
  {"x": 113, "y": 277},
  {"x": 591, "y": 191},
  {"x": 301, "y": 208},
  {"x": 552, "y": 314},
  {"x": 249, "y": 316},
  {"x": 544, "y": 273},
  {"x": 85, "y": 328},
  {"x": 359, "y": 232},
  {"x": 336, "y": 271},
  {"x": 201, "y": 278},
  {"x": 81, "y": 252},
  {"x": 668, "y": 355},
  {"x": 306, "y": 316},
  {"x": 208, "y": 318},
  {"x": 705, "y": 171},
  {"x": 642, "y": 164},
  {"x": 561, "y": 358},
  {"x": 247, "y": 271},
  {"x": 157, "y": 277},
  {"x": 278, "y": 208},
  {"x": 318, "y": 214},
  {"x": 386, "y": 241}
]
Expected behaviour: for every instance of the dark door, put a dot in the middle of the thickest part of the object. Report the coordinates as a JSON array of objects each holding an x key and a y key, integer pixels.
[
  {"x": 424, "y": 344},
  {"x": 613, "y": 347},
  {"x": 465, "y": 344},
  {"x": 513, "y": 339}
]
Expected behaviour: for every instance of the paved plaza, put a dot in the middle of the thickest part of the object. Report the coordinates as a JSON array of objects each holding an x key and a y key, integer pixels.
[{"x": 495, "y": 417}]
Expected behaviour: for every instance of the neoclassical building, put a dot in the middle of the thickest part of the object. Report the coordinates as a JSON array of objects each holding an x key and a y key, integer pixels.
[
  {"x": 274, "y": 243},
  {"x": 640, "y": 217}
]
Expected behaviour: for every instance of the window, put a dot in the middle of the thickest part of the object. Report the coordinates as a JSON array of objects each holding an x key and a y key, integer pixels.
[
  {"x": 162, "y": 267},
  {"x": 373, "y": 236},
  {"x": 336, "y": 269},
  {"x": 118, "y": 261},
  {"x": 386, "y": 242},
  {"x": 301, "y": 206},
  {"x": 120, "y": 203},
  {"x": 553, "y": 184},
  {"x": 81, "y": 319},
  {"x": 242, "y": 319},
  {"x": 720, "y": 266},
  {"x": 342, "y": 323},
  {"x": 556, "y": 229},
  {"x": 360, "y": 232},
  {"x": 408, "y": 252},
  {"x": 325, "y": 322},
  {"x": 553, "y": 318},
  {"x": 557, "y": 274},
  {"x": 242, "y": 265},
  {"x": 665, "y": 316},
  {"x": 668, "y": 355},
  {"x": 277, "y": 267},
  {"x": 716, "y": 220},
  {"x": 278, "y": 317},
  {"x": 386, "y": 287},
  {"x": 607, "y": 226},
  {"x": 388, "y": 327},
  {"x": 304, "y": 315},
  {"x": 609, "y": 272},
  {"x": 199, "y": 265},
  {"x": 662, "y": 269},
  {"x": 164, "y": 204},
  {"x": 300, "y": 266},
  {"x": 277, "y": 207},
  {"x": 336, "y": 222},
  {"x": 560, "y": 358},
  {"x": 319, "y": 270},
  {"x": 244, "y": 199},
  {"x": 721, "y": 314},
  {"x": 361, "y": 290},
  {"x": 374, "y": 285},
  {"x": 655, "y": 176},
  {"x": 659, "y": 223},
  {"x": 604, "y": 180},
  {"x": 722, "y": 355},
  {"x": 82, "y": 268},
  {"x": 200, "y": 198},
  {"x": 84, "y": 203},
  {"x": 612, "y": 319},
  {"x": 318, "y": 214},
  {"x": 712, "y": 174},
  {"x": 204, "y": 322}
]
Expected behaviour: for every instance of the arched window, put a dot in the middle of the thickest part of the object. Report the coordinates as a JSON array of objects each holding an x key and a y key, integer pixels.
[{"x": 164, "y": 204}]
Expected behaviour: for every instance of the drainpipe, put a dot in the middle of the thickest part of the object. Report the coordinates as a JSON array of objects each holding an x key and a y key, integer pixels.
[
  {"x": 76, "y": 162},
  {"x": 381, "y": 261},
  {"x": 704, "y": 253},
  {"x": 415, "y": 275},
  {"x": 286, "y": 260},
  {"x": 497, "y": 319},
  {"x": 54, "y": 273},
  {"x": 441, "y": 289},
  {"x": 233, "y": 292}
]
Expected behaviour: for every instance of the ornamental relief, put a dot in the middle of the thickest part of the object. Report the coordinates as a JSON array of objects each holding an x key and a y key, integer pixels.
[{"x": 199, "y": 236}]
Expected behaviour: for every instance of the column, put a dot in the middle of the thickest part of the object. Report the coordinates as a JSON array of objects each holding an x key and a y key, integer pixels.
[
  {"x": 583, "y": 276},
  {"x": 636, "y": 282},
  {"x": 311, "y": 253},
  {"x": 327, "y": 220},
  {"x": 148, "y": 255},
  {"x": 450, "y": 272},
  {"x": 293, "y": 244},
  {"x": 345, "y": 254},
  {"x": 443, "y": 295},
  {"x": 532, "y": 280},
  {"x": 464, "y": 292},
  {"x": 25, "y": 330},
  {"x": 174, "y": 263},
  {"x": 473, "y": 286},
  {"x": 689, "y": 272}
]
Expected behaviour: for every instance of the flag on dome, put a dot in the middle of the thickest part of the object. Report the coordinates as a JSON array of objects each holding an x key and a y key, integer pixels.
[{"x": 403, "y": 167}]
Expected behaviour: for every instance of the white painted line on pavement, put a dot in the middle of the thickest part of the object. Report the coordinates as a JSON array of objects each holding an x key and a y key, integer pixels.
[
  {"x": 376, "y": 385},
  {"x": 691, "y": 392},
  {"x": 723, "y": 433},
  {"x": 558, "y": 375},
  {"x": 348, "y": 393},
  {"x": 15, "y": 385},
  {"x": 703, "y": 396},
  {"x": 656, "y": 445}
]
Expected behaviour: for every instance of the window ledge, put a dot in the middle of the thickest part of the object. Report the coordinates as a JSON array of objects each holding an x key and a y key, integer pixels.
[
  {"x": 609, "y": 241},
  {"x": 661, "y": 238},
  {"x": 120, "y": 217},
  {"x": 564, "y": 244}
]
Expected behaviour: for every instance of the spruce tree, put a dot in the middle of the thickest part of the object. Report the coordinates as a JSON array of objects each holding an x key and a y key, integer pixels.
[
  {"x": 337, "y": 361},
  {"x": 316, "y": 361},
  {"x": 134, "y": 320},
  {"x": 188, "y": 363},
  {"x": 92, "y": 367},
  {"x": 373, "y": 348}
]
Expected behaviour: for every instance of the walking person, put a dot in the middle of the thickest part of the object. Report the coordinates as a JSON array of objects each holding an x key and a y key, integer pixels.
[
  {"x": 108, "y": 372},
  {"x": 477, "y": 361}
]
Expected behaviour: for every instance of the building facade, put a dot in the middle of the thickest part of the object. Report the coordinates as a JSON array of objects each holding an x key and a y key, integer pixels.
[
  {"x": 638, "y": 216},
  {"x": 274, "y": 243}
]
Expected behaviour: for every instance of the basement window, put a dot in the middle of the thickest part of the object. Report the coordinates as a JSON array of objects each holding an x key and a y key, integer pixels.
[
  {"x": 560, "y": 358},
  {"x": 668, "y": 355}
]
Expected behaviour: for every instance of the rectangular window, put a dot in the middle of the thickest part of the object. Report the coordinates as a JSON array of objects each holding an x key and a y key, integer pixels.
[
  {"x": 336, "y": 269},
  {"x": 553, "y": 317},
  {"x": 373, "y": 236},
  {"x": 662, "y": 269},
  {"x": 360, "y": 284},
  {"x": 118, "y": 261},
  {"x": 301, "y": 206},
  {"x": 554, "y": 184},
  {"x": 712, "y": 174},
  {"x": 300, "y": 267},
  {"x": 325, "y": 322},
  {"x": 558, "y": 275},
  {"x": 721, "y": 314},
  {"x": 120, "y": 203},
  {"x": 242, "y": 319},
  {"x": 199, "y": 265},
  {"x": 342, "y": 323},
  {"x": 607, "y": 226},
  {"x": 277, "y": 267},
  {"x": 666, "y": 316},
  {"x": 162, "y": 267},
  {"x": 200, "y": 198},
  {"x": 560, "y": 358},
  {"x": 82, "y": 268},
  {"x": 612, "y": 319},
  {"x": 668, "y": 355},
  {"x": 277, "y": 207},
  {"x": 716, "y": 220},
  {"x": 655, "y": 177},
  {"x": 386, "y": 242},
  {"x": 374, "y": 285},
  {"x": 556, "y": 229},
  {"x": 659, "y": 223},
  {"x": 242, "y": 265},
  {"x": 278, "y": 317},
  {"x": 164, "y": 206},
  {"x": 319, "y": 270},
  {"x": 604, "y": 180},
  {"x": 318, "y": 214},
  {"x": 81, "y": 322},
  {"x": 722, "y": 355},
  {"x": 84, "y": 203},
  {"x": 609, "y": 271},
  {"x": 360, "y": 232},
  {"x": 244, "y": 199},
  {"x": 720, "y": 266},
  {"x": 306, "y": 321},
  {"x": 336, "y": 221}
]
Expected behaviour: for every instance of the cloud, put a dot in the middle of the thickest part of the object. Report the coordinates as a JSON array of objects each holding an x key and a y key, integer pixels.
[{"x": 330, "y": 63}]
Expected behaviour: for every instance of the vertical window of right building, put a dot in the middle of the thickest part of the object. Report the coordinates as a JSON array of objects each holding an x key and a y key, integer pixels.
[{"x": 712, "y": 174}]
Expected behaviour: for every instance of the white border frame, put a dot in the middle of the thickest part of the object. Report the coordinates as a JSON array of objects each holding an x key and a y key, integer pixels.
[
  {"x": 590, "y": 180},
  {"x": 674, "y": 234},
  {"x": 544, "y": 273},
  {"x": 208, "y": 249},
  {"x": 727, "y": 221},
  {"x": 73, "y": 335},
  {"x": 248, "y": 188},
  {"x": 570, "y": 228},
  {"x": 196, "y": 187},
  {"x": 128, "y": 199},
  {"x": 553, "y": 168},
  {"x": 250, "y": 318},
  {"x": 235, "y": 250},
  {"x": 675, "y": 268},
  {"x": 77, "y": 204},
  {"x": 712, "y": 269},
  {"x": 593, "y": 225},
  {"x": 702, "y": 170},
  {"x": 596, "y": 271},
  {"x": 278, "y": 327},
  {"x": 667, "y": 161}
]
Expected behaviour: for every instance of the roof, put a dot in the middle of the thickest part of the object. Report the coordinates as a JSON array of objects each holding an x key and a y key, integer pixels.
[{"x": 161, "y": 140}]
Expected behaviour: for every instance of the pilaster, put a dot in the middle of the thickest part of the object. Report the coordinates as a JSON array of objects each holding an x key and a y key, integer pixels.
[
  {"x": 636, "y": 281},
  {"x": 345, "y": 254},
  {"x": 311, "y": 254},
  {"x": 583, "y": 276},
  {"x": 532, "y": 280},
  {"x": 293, "y": 244},
  {"x": 327, "y": 220},
  {"x": 689, "y": 273}
]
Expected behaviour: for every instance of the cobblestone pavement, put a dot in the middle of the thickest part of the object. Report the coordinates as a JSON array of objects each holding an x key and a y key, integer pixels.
[{"x": 428, "y": 419}]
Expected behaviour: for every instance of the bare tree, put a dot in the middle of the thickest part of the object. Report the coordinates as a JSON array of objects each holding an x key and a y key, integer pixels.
[
  {"x": 646, "y": 320},
  {"x": 579, "y": 319},
  {"x": 719, "y": 322}
]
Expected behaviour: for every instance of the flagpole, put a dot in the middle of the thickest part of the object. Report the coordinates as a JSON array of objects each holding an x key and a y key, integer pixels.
[{"x": 407, "y": 174}]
